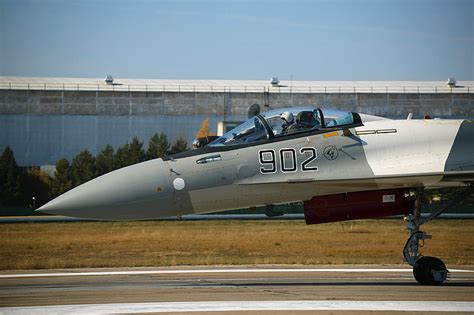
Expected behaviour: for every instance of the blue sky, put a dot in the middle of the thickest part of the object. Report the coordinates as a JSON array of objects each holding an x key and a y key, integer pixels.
[{"x": 309, "y": 40}]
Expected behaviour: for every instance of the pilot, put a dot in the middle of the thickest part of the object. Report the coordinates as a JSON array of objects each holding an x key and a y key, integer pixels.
[
  {"x": 288, "y": 120},
  {"x": 305, "y": 120}
]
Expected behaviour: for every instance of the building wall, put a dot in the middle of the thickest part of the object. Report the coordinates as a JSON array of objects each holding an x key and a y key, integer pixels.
[{"x": 42, "y": 126}]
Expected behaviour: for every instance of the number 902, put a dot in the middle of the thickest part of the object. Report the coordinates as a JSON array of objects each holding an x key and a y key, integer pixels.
[{"x": 287, "y": 160}]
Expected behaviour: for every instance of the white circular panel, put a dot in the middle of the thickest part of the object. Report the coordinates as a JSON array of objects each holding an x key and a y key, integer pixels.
[{"x": 179, "y": 183}]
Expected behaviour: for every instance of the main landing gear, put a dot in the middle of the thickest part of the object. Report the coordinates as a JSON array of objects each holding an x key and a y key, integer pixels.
[{"x": 426, "y": 269}]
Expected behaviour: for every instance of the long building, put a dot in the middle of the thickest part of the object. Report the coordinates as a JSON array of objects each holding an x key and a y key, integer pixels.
[{"x": 45, "y": 119}]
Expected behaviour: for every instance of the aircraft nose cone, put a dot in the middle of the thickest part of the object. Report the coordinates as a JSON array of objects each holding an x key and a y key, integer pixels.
[{"x": 140, "y": 191}]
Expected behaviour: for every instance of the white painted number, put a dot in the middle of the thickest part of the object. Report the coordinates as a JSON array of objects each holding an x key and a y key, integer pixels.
[
  {"x": 267, "y": 159},
  {"x": 311, "y": 155},
  {"x": 288, "y": 161}
]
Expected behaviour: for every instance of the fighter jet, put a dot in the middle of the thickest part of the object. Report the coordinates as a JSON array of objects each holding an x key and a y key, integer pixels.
[{"x": 341, "y": 165}]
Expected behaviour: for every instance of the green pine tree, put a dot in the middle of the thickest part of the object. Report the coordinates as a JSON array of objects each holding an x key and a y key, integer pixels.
[
  {"x": 158, "y": 146},
  {"x": 179, "y": 146},
  {"x": 129, "y": 153},
  {"x": 82, "y": 168},
  {"x": 62, "y": 180},
  {"x": 104, "y": 161},
  {"x": 137, "y": 153},
  {"x": 10, "y": 178},
  {"x": 121, "y": 157},
  {"x": 38, "y": 185}
]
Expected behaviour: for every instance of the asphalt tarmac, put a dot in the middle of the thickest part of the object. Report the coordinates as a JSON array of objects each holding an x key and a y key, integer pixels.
[{"x": 236, "y": 289}]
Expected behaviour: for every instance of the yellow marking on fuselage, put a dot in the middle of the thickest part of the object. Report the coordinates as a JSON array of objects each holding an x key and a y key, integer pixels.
[{"x": 330, "y": 134}]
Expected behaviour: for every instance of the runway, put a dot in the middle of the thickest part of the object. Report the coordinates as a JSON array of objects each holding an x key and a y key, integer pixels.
[{"x": 268, "y": 289}]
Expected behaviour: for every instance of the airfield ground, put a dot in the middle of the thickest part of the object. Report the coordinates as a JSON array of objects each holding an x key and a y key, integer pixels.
[{"x": 158, "y": 243}]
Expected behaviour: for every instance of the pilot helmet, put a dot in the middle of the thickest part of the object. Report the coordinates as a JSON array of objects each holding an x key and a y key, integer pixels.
[{"x": 287, "y": 116}]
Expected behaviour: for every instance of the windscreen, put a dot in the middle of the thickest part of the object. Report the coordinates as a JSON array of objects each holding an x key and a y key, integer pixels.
[{"x": 250, "y": 131}]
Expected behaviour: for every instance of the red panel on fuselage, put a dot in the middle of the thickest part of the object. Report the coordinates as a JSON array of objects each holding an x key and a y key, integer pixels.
[{"x": 357, "y": 205}]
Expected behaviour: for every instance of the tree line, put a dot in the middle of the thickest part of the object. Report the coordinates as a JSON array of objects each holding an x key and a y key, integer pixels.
[{"x": 18, "y": 186}]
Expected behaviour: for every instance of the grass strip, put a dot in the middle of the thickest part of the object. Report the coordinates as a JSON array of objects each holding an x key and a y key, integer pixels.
[{"x": 175, "y": 243}]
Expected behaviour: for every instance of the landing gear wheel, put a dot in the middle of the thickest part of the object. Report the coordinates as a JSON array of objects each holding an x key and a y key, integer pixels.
[{"x": 430, "y": 271}]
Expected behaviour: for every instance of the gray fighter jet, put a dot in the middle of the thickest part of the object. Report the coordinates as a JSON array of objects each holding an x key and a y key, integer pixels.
[{"x": 342, "y": 165}]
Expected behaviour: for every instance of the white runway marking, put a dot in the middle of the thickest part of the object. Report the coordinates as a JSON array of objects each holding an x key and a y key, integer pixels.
[
  {"x": 198, "y": 271},
  {"x": 229, "y": 306}
]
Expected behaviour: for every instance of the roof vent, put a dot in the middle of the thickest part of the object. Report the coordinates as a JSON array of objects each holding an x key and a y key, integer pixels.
[
  {"x": 274, "y": 81},
  {"x": 109, "y": 79},
  {"x": 451, "y": 82}
]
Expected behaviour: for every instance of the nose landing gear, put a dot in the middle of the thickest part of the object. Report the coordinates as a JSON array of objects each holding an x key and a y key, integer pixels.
[{"x": 426, "y": 269}]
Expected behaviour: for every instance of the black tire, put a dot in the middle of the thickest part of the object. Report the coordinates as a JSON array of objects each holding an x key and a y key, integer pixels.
[{"x": 424, "y": 266}]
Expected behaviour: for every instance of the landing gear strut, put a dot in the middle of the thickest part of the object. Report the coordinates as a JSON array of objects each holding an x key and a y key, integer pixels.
[{"x": 427, "y": 270}]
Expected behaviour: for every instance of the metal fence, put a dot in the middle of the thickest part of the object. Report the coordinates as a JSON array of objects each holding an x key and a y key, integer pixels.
[{"x": 442, "y": 89}]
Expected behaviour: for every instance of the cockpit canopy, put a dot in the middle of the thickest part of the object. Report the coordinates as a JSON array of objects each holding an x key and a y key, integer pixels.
[{"x": 283, "y": 122}]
